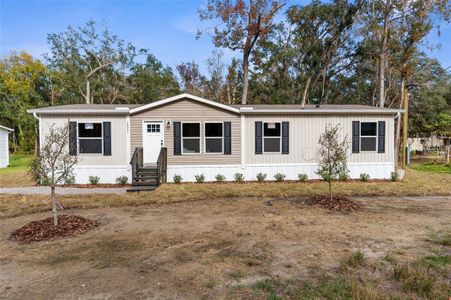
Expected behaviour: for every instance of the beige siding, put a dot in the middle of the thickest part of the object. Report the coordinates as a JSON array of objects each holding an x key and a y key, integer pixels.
[
  {"x": 304, "y": 135},
  {"x": 188, "y": 111},
  {"x": 118, "y": 138}
]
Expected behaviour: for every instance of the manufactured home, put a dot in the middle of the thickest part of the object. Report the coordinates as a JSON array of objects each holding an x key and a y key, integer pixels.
[
  {"x": 187, "y": 135},
  {"x": 4, "y": 147}
]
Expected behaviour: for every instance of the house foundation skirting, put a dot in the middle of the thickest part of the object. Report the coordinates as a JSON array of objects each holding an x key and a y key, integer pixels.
[
  {"x": 107, "y": 174},
  {"x": 188, "y": 173}
]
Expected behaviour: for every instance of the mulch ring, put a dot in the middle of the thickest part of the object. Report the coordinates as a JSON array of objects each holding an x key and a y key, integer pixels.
[
  {"x": 42, "y": 230},
  {"x": 339, "y": 203}
]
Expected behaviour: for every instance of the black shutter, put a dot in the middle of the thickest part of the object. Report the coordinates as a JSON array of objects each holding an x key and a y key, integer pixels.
[
  {"x": 258, "y": 137},
  {"x": 107, "y": 138},
  {"x": 381, "y": 137},
  {"x": 227, "y": 138},
  {"x": 355, "y": 136},
  {"x": 72, "y": 138},
  {"x": 285, "y": 138},
  {"x": 177, "y": 138}
]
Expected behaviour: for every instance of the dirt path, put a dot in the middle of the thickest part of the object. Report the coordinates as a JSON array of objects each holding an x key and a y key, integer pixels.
[{"x": 210, "y": 248}]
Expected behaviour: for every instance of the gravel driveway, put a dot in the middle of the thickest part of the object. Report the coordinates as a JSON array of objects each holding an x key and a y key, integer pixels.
[{"x": 40, "y": 190}]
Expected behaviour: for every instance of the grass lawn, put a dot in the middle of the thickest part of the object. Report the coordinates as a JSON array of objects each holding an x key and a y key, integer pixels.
[
  {"x": 17, "y": 172},
  {"x": 435, "y": 168},
  {"x": 393, "y": 248}
]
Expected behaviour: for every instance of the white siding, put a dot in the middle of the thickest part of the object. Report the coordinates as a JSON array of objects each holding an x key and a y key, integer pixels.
[{"x": 4, "y": 151}]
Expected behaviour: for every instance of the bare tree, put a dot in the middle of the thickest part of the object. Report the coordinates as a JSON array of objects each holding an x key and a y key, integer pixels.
[
  {"x": 55, "y": 162},
  {"x": 332, "y": 155}
]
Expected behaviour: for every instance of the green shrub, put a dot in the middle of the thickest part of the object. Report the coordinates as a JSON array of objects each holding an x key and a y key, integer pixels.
[
  {"x": 239, "y": 177},
  {"x": 200, "y": 178},
  {"x": 343, "y": 177},
  {"x": 364, "y": 177},
  {"x": 261, "y": 177},
  {"x": 94, "y": 179},
  {"x": 302, "y": 177},
  {"x": 34, "y": 169},
  {"x": 122, "y": 180},
  {"x": 177, "y": 179},
  {"x": 220, "y": 178},
  {"x": 69, "y": 180},
  {"x": 45, "y": 181},
  {"x": 394, "y": 176},
  {"x": 279, "y": 177}
]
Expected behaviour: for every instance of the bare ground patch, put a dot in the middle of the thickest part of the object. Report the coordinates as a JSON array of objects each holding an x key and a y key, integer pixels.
[{"x": 230, "y": 248}]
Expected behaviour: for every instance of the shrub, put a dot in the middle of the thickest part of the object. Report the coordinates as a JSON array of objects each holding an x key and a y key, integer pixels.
[
  {"x": 239, "y": 177},
  {"x": 279, "y": 177},
  {"x": 122, "y": 180},
  {"x": 394, "y": 176},
  {"x": 364, "y": 177},
  {"x": 45, "y": 181},
  {"x": 69, "y": 180},
  {"x": 34, "y": 169},
  {"x": 177, "y": 179},
  {"x": 220, "y": 178},
  {"x": 94, "y": 179},
  {"x": 200, "y": 178},
  {"x": 356, "y": 259},
  {"x": 261, "y": 177},
  {"x": 302, "y": 177},
  {"x": 343, "y": 177}
]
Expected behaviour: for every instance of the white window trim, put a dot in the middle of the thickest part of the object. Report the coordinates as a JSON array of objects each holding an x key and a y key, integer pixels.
[
  {"x": 215, "y": 137},
  {"x": 153, "y": 123},
  {"x": 191, "y": 138},
  {"x": 89, "y": 138},
  {"x": 263, "y": 138},
  {"x": 368, "y": 136}
]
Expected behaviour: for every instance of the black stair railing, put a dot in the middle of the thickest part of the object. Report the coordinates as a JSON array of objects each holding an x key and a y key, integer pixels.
[{"x": 136, "y": 161}]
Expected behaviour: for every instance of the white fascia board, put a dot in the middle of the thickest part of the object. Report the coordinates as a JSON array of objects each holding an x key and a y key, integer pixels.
[
  {"x": 323, "y": 111},
  {"x": 6, "y": 128},
  {"x": 80, "y": 111},
  {"x": 181, "y": 96}
]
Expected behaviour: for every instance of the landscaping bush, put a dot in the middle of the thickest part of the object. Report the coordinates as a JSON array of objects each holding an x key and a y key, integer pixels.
[
  {"x": 177, "y": 179},
  {"x": 94, "y": 179},
  {"x": 220, "y": 178},
  {"x": 122, "y": 180},
  {"x": 34, "y": 169},
  {"x": 239, "y": 177},
  {"x": 261, "y": 177},
  {"x": 200, "y": 178},
  {"x": 69, "y": 180},
  {"x": 279, "y": 177},
  {"x": 364, "y": 177},
  {"x": 394, "y": 176},
  {"x": 302, "y": 177},
  {"x": 343, "y": 177}
]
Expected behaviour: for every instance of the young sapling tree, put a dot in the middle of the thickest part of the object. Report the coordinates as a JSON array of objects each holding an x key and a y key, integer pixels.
[
  {"x": 332, "y": 155},
  {"x": 56, "y": 164}
]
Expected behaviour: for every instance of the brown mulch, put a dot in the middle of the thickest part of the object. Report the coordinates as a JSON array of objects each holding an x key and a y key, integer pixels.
[
  {"x": 339, "y": 203},
  {"x": 42, "y": 230}
]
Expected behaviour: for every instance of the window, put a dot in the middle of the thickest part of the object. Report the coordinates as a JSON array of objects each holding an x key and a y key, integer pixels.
[
  {"x": 213, "y": 137},
  {"x": 90, "y": 138},
  {"x": 190, "y": 138},
  {"x": 271, "y": 137},
  {"x": 153, "y": 128},
  {"x": 368, "y": 136}
]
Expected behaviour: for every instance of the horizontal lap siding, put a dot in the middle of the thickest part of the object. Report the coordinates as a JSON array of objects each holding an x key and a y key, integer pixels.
[
  {"x": 305, "y": 132},
  {"x": 188, "y": 111},
  {"x": 118, "y": 138}
]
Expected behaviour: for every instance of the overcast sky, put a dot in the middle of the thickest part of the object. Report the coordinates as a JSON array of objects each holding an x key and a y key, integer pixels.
[{"x": 167, "y": 28}]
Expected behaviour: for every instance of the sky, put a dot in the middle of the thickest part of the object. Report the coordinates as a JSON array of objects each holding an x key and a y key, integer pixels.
[{"x": 167, "y": 28}]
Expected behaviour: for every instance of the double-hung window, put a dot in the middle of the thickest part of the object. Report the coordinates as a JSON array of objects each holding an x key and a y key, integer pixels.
[
  {"x": 271, "y": 137},
  {"x": 368, "y": 136},
  {"x": 190, "y": 138},
  {"x": 214, "y": 138},
  {"x": 90, "y": 138}
]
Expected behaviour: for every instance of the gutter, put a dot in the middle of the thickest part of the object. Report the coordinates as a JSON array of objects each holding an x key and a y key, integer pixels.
[
  {"x": 320, "y": 111},
  {"x": 117, "y": 111}
]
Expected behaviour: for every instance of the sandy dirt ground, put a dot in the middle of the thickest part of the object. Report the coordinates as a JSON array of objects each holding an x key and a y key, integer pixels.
[{"x": 210, "y": 249}]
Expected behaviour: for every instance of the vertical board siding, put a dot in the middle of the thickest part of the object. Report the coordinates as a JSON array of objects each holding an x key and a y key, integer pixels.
[
  {"x": 304, "y": 134},
  {"x": 118, "y": 137},
  {"x": 186, "y": 110}
]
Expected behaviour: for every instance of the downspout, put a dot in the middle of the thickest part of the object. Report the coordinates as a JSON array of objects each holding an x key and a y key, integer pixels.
[
  {"x": 39, "y": 130},
  {"x": 395, "y": 155}
]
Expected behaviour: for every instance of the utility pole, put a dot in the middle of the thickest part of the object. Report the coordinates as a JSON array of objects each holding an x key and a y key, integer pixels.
[{"x": 404, "y": 128}]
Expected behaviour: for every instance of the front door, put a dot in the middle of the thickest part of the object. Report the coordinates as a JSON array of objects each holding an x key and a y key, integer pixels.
[{"x": 152, "y": 140}]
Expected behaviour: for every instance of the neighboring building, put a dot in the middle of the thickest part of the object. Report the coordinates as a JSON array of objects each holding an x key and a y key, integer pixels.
[
  {"x": 431, "y": 143},
  {"x": 4, "y": 148},
  {"x": 199, "y": 136}
]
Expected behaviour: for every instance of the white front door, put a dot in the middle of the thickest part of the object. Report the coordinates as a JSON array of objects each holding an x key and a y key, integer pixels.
[{"x": 153, "y": 133}]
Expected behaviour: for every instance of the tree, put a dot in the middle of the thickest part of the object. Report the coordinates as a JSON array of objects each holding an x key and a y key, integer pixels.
[
  {"x": 55, "y": 162},
  {"x": 332, "y": 155},
  {"x": 192, "y": 80},
  {"x": 243, "y": 24}
]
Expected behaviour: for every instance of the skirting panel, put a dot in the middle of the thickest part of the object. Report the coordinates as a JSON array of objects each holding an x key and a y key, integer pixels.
[
  {"x": 188, "y": 173},
  {"x": 107, "y": 174}
]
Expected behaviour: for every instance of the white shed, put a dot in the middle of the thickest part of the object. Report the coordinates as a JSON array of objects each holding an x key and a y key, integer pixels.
[{"x": 4, "y": 149}]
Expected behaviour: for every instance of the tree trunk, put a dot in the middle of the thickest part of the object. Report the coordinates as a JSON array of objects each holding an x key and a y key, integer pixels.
[
  {"x": 304, "y": 95},
  {"x": 330, "y": 189},
  {"x": 88, "y": 92},
  {"x": 55, "y": 216},
  {"x": 382, "y": 59},
  {"x": 245, "y": 77},
  {"x": 398, "y": 124}
]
